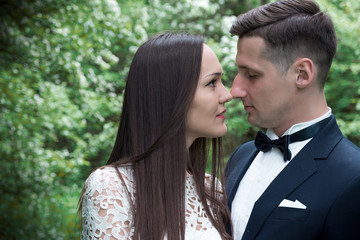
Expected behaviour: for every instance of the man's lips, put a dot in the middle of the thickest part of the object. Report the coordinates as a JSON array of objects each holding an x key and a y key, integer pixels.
[{"x": 248, "y": 108}]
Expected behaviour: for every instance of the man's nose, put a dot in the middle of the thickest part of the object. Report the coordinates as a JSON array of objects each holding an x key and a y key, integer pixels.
[{"x": 237, "y": 88}]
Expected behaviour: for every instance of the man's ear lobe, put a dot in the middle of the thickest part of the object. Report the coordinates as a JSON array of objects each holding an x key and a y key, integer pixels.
[{"x": 305, "y": 72}]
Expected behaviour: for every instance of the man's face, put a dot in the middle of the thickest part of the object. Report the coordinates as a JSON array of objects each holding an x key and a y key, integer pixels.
[{"x": 268, "y": 95}]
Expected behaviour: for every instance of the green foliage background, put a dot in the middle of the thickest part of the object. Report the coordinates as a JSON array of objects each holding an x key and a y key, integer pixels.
[{"x": 63, "y": 65}]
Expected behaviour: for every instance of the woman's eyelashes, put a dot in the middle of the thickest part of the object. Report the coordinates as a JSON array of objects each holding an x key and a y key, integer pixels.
[{"x": 212, "y": 83}]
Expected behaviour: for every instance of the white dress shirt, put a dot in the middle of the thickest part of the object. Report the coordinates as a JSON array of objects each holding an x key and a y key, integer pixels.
[{"x": 262, "y": 171}]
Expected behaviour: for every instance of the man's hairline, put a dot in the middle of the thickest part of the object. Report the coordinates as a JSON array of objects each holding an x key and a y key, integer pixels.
[{"x": 264, "y": 52}]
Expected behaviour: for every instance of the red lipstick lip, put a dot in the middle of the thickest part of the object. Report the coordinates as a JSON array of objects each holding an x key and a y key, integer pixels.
[{"x": 221, "y": 115}]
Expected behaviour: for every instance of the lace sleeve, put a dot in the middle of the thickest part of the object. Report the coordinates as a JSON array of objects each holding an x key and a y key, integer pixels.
[{"x": 106, "y": 209}]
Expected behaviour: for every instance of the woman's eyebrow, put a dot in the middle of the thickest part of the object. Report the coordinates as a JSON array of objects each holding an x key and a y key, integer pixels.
[{"x": 214, "y": 74}]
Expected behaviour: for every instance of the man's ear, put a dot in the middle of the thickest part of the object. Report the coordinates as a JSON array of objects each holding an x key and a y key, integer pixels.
[{"x": 305, "y": 72}]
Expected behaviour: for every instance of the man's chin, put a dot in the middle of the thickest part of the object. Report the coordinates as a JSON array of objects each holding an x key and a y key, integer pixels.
[{"x": 254, "y": 121}]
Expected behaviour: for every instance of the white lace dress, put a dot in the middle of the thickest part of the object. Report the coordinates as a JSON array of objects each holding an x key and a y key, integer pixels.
[{"x": 106, "y": 212}]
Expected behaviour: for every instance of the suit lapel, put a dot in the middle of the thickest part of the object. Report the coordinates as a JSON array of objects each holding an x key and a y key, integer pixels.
[
  {"x": 241, "y": 162},
  {"x": 297, "y": 171},
  {"x": 294, "y": 174}
]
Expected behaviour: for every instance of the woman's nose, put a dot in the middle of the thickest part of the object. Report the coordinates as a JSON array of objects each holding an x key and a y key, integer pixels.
[{"x": 225, "y": 96}]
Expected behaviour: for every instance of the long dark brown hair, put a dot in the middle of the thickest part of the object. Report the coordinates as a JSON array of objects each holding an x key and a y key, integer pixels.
[
  {"x": 292, "y": 29},
  {"x": 161, "y": 85}
]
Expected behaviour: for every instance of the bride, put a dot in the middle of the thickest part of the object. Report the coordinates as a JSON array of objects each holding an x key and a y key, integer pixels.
[{"x": 155, "y": 184}]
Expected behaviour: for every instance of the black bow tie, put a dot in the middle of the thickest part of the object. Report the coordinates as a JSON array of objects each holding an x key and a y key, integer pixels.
[{"x": 264, "y": 143}]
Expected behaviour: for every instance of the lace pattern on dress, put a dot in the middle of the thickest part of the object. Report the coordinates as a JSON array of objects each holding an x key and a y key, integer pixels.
[{"x": 107, "y": 212}]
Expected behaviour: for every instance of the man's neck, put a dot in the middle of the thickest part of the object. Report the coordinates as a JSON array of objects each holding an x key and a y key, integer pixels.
[{"x": 302, "y": 121}]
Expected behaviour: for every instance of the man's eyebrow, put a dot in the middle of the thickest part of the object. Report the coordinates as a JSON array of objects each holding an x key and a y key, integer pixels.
[
  {"x": 243, "y": 66},
  {"x": 219, "y": 74},
  {"x": 247, "y": 67}
]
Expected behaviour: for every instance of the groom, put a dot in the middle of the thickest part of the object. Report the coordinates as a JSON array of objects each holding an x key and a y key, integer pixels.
[{"x": 306, "y": 184}]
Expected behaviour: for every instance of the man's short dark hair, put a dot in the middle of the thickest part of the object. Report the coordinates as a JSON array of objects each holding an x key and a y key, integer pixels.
[{"x": 291, "y": 29}]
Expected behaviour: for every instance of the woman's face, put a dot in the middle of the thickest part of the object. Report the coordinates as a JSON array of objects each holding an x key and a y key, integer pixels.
[{"x": 206, "y": 114}]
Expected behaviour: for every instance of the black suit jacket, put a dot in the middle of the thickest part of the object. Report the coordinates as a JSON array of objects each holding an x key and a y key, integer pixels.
[{"x": 324, "y": 176}]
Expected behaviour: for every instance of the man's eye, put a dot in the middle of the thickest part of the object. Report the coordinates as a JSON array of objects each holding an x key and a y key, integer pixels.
[{"x": 251, "y": 75}]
